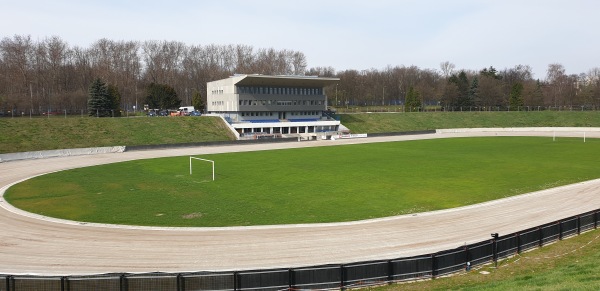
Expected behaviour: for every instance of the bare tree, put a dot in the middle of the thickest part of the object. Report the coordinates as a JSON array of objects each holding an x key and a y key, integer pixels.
[
  {"x": 558, "y": 83},
  {"x": 447, "y": 69},
  {"x": 298, "y": 62}
]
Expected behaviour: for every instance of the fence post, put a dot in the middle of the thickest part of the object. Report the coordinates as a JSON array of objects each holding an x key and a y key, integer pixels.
[
  {"x": 495, "y": 248},
  {"x": 9, "y": 280},
  {"x": 578, "y": 225},
  {"x": 467, "y": 259},
  {"x": 560, "y": 230},
  {"x": 541, "y": 238},
  {"x": 433, "y": 266},
  {"x": 390, "y": 271},
  {"x": 123, "y": 282},
  {"x": 236, "y": 281},
  {"x": 342, "y": 277},
  {"x": 518, "y": 236},
  {"x": 63, "y": 283},
  {"x": 291, "y": 282},
  {"x": 180, "y": 283},
  {"x": 596, "y": 220}
]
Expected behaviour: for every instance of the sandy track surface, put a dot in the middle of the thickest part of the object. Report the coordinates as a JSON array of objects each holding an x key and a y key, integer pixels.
[{"x": 32, "y": 244}]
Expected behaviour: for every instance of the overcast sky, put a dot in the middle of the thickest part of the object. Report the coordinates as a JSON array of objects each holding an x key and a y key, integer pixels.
[{"x": 344, "y": 34}]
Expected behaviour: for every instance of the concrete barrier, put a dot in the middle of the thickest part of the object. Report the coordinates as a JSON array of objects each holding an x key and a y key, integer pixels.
[{"x": 59, "y": 153}]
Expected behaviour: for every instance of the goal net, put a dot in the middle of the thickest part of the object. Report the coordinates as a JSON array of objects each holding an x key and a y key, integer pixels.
[{"x": 204, "y": 160}]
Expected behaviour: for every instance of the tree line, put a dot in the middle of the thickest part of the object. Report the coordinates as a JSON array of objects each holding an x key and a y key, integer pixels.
[
  {"x": 46, "y": 75},
  {"x": 452, "y": 89}
]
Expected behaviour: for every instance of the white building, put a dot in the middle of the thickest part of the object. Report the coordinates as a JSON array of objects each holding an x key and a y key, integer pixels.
[{"x": 261, "y": 105}]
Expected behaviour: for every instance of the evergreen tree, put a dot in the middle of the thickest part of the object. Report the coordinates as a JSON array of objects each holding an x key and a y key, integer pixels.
[
  {"x": 162, "y": 96},
  {"x": 413, "y": 100},
  {"x": 115, "y": 100},
  {"x": 516, "y": 98},
  {"x": 538, "y": 95},
  {"x": 491, "y": 72},
  {"x": 197, "y": 101},
  {"x": 99, "y": 103},
  {"x": 462, "y": 83},
  {"x": 474, "y": 92}
]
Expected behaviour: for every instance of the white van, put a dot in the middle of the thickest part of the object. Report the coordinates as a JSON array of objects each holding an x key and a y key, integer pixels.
[{"x": 185, "y": 110}]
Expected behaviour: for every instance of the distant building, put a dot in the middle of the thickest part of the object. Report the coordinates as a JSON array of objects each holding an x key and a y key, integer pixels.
[{"x": 270, "y": 106}]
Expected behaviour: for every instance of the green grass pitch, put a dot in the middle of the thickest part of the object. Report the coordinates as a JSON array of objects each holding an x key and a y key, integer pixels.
[{"x": 310, "y": 185}]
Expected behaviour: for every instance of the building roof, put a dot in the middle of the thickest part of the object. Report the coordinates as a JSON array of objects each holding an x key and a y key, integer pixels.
[{"x": 283, "y": 81}]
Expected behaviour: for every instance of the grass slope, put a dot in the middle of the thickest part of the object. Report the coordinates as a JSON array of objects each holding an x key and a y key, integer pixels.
[
  {"x": 570, "y": 264},
  {"x": 310, "y": 185},
  {"x": 25, "y": 134},
  {"x": 395, "y": 122}
]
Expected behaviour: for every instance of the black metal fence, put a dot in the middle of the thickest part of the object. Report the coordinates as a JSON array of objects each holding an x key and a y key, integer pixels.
[{"x": 344, "y": 276}]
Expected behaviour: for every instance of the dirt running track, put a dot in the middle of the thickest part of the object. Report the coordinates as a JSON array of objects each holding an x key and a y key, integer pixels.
[{"x": 32, "y": 244}]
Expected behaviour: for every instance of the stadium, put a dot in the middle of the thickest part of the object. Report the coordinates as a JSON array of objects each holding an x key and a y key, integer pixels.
[
  {"x": 273, "y": 106},
  {"x": 38, "y": 250}
]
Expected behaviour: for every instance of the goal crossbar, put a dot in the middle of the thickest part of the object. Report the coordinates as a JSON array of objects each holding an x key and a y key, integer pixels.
[{"x": 211, "y": 161}]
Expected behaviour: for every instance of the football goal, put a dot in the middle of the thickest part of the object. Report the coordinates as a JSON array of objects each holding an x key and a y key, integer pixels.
[{"x": 205, "y": 160}]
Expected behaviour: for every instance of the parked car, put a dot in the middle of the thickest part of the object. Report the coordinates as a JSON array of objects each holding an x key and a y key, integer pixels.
[
  {"x": 163, "y": 113},
  {"x": 185, "y": 110},
  {"x": 195, "y": 113},
  {"x": 152, "y": 113}
]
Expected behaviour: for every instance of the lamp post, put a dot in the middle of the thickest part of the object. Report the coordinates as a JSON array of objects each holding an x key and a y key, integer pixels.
[
  {"x": 495, "y": 248},
  {"x": 336, "y": 100},
  {"x": 383, "y": 97}
]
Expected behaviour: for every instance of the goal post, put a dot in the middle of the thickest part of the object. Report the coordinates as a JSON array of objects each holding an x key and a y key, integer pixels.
[{"x": 205, "y": 160}]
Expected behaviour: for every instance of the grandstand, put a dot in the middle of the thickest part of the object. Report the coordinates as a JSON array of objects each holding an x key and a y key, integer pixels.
[{"x": 281, "y": 106}]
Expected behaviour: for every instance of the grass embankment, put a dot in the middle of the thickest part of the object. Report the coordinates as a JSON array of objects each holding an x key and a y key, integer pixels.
[
  {"x": 396, "y": 122},
  {"x": 33, "y": 134},
  {"x": 310, "y": 185},
  {"x": 570, "y": 264},
  {"x": 24, "y": 134}
]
